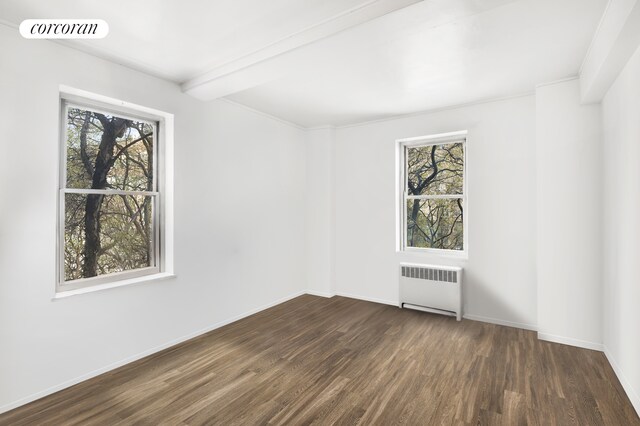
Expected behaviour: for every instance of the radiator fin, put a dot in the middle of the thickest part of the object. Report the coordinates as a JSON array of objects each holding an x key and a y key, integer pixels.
[{"x": 430, "y": 274}]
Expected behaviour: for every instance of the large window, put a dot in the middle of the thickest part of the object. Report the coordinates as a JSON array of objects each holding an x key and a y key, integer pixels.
[
  {"x": 432, "y": 205},
  {"x": 110, "y": 196}
]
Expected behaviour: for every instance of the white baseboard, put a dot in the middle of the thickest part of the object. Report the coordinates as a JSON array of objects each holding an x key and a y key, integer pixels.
[
  {"x": 467, "y": 316},
  {"x": 634, "y": 396},
  {"x": 368, "y": 299},
  {"x": 570, "y": 341},
  {"x": 320, "y": 293},
  {"x": 107, "y": 368},
  {"x": 500, "y": 322}
]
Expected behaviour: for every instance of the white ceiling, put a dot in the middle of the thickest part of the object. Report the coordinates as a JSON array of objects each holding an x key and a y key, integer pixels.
[
  {"x": 179, "y": 40},
  {"x": 428, "y": 55},
  {"x": 432, "y": 55}
]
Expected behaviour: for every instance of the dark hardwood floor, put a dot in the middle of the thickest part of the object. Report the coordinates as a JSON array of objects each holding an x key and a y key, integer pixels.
[{"x": 344, "y": 361}]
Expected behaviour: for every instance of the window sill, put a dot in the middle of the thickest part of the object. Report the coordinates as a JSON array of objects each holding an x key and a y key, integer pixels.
[
  {"x": 62, "y": 294},
  {"x": 450, "y": 254}
]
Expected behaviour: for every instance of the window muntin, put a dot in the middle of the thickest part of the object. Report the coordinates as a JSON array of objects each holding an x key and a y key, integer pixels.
[
  {"x": 433, "y": 200},
  {"x": 109, "y": 227}
]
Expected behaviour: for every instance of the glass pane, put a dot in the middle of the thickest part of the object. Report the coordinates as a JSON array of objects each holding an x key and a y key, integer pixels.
[
  {"x": 108, "y": 152},
  {"x": 435, "y": 169},
  {"x": 106, "y": 234},
  {"x": 435, "y": 224}
]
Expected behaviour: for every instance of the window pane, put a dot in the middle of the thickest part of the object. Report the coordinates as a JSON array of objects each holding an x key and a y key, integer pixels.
[
  {"x": 106, "y": 234},
  {"x": 108, "y": 152},
  {"x": 435, "y": 223},
  {"x": 435, "y": 169}
]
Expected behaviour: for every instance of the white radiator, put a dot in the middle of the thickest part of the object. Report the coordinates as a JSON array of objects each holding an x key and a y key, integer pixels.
[{"x": 431, "y": 288}]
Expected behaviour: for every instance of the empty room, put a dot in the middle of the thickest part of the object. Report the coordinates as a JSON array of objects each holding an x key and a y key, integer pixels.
[{"x": 294, "y": 212}]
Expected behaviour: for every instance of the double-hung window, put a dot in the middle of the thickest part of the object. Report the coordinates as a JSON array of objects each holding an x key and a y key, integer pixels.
[
  {"x": 433, "y": 196},
  {"x": 110, "y": 194}
]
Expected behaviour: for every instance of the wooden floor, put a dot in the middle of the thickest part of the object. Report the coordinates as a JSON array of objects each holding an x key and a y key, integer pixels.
[{"x": 344, "y": 361}]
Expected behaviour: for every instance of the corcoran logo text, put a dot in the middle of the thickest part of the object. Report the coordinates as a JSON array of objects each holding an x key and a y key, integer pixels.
[{"x": 64, "y": 28}]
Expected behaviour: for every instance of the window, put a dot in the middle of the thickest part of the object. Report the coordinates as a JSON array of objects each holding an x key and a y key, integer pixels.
[
  {"x": 433, "y": 200},
  {"x": 110, "y": 194}
]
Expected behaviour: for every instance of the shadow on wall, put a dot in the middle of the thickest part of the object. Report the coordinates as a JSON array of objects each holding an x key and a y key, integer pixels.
[{"x": 489, "y": 305}]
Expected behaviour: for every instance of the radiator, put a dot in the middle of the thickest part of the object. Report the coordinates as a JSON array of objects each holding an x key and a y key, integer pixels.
[{"x": 429, "y": 288}]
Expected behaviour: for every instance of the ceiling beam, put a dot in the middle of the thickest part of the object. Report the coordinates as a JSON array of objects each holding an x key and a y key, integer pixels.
[
  {"x": 273, "y": 59},
  {"x": 617, "y": 38}
]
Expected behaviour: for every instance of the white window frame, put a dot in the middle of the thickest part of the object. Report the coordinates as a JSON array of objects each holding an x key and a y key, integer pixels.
[
  {"x": 402, "y": 197},
  {"x": 162, "y": 248}
]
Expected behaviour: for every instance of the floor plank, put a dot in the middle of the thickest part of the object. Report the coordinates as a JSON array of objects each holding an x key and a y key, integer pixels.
[{"x": 343, "y": 361}]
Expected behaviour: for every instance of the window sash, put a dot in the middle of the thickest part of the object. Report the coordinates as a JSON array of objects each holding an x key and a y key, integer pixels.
[
  {"x": 64, "y": 285},
  {"x": 432, "y": 197},
  {"x": 155, "y": 246},
  {"x": 417, "y": 142},
  {"x": 90, "y": 107},
  {"x": 108, "y": 191},
  {"x": 421, "y": 145}
]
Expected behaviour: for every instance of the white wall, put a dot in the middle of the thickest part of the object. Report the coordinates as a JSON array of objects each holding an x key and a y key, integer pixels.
[
  {"x": 621, "y": 121},
  {"x": 320, "y": 213},
  {"x": 265, "y": 211},
  {"x": 239, "y": 231},
  {"x": 569, "y": 170},
  {"x": 500, "y": 273}
]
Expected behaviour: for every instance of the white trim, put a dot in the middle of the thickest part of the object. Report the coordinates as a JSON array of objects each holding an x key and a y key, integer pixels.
[
  {"x": 402, "y": 146},
  {"x": 633, "y": 395},
  {"x": 322, "y": 127},
  {"x": 320, "y": 293},
  {"x": 141, "y": 355},
  {"x": 162, "y": 248},
  {"x": 62, "y": 293},
  {"x": 437, "y": 110},
  {"x": 502, "y": 322},
  {"x": 130, "y": 113},
  {"x": 439, "y": 138},
  {"x": 263, "y": 114},
  {"x": 470, "y": 317},
  {"x": 570, "y": 341},
  {"x": 390, "y": 118},
  {"x": 73, "y": 94},
  {"x": 368, "y": 299},
  {"x": 108, "y": 192},
  {"x": 435, "y": 197},
  {"x": 405, "y": 305},
  {"x": 558, "y": 81},
  {"x": 433, "y": 252},
  {"x": 107, "y": 279}
]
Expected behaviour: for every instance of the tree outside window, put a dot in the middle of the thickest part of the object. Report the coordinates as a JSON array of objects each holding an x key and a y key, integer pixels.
[
  {"x": 433, "y": 195},
  {"x": 109, "y": 194}
]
